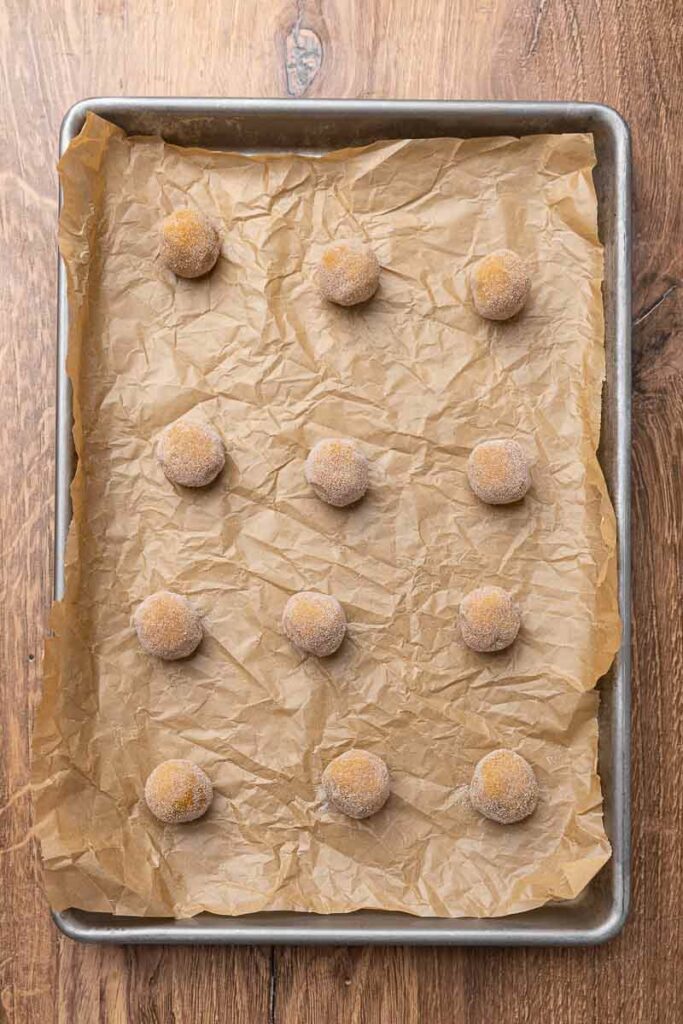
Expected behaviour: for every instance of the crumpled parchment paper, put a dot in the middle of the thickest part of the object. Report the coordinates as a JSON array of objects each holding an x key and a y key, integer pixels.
[{"x": 417, "y": 378}]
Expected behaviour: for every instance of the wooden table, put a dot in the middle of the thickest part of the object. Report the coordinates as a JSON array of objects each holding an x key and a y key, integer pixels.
[{"x": 624, "y": 52}]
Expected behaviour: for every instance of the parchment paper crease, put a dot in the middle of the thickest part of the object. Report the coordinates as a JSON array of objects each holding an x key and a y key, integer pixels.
[{"x": 417, "y": 378}]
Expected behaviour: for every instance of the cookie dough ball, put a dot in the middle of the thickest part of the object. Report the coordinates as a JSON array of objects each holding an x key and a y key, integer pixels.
[
  {"x": 190, "y": 244},
  {"x": 315, "y": 623},
  {"x": 498, "y": 472},
  {"x": 500, "y": 285},
  {"x": 489, "y": 619},
  {"x": 337, "y": 471},
  {"x": 178, "y": 791},
  {"x": 191, "y": 454},
  {"x": 168, "y": 626},
  {"x": 504, "y": 787},
  {"x": 357, "y": 783},
  {"x": 348, "y": 273}
]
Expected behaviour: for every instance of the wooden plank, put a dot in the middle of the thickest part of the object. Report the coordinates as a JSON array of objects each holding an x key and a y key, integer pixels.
[
  {"x": 162, "y": 984},
  {"x": 624, "y": 52}
]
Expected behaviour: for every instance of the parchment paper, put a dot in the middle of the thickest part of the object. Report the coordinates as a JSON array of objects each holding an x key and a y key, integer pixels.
[{"x": 418, "y": 379}]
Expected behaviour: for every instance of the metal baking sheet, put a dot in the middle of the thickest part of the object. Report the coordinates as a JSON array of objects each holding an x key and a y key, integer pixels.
[{"x": 600, "y": 911}]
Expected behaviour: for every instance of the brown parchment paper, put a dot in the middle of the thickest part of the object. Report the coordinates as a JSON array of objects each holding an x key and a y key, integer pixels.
[{"x": 417, "y": 378}]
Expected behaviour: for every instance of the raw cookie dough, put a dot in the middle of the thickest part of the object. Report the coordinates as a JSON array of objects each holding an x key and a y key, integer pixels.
[
  {"x": 348, "y": 273},
  {"x": 500, "y": 285},
  {"x": 190, "y": 244},
  {"x": 337, "y": 471},
  {"x": 190, "y": 454},
  {"x": 504, "y": 787},
  {"x": 315, "y": 623},
  {"x": 489, "y": 619},
  {"x": 168, "y": 626},
  {"x": 357, "y": 783},
  {"x": 178, "y": 791},
  {"x": 498, "y": 472}
]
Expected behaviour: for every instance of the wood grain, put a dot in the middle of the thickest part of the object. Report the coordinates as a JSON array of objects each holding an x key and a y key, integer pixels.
[{"x": 624, "y": 52}]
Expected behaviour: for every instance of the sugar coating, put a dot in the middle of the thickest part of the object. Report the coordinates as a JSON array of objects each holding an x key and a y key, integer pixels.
[
  {"x": 168, "y": 626},
  {"x": 337, "y": 471},
  {"x": 178, "y": 791},
  {"x": 348, "y": 273},
  {"x": 489, "y": 619},
  {"x": 314, "y": 622},
  {"x": 504, "y": 787},
  {"x": 191, "y": 454},
  {"x": 500, "y": 285},
  {"x": 190, "y": 244},
  {"x": 498, "y": 472},
  {"x": 357, "y": 783}
]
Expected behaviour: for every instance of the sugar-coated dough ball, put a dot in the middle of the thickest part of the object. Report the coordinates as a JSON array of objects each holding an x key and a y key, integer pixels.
[
  {"x": 357, "y": 783},
  {"x": 168, "y": 626},
  {"x": 504, "y": 787},
  {"x": 337, "y": 471},
  {"x": 191, "y": 454},
  {"x": 498, "y": 472},
  {"x": 315, "y": 623},
  {"x": 190, "y": 244},
  {"x": 500, "y": 285},
  {"x": 348, "y": 273},
  {"x": 178, "y": 791},
  {"x": 489, "y": 619}
]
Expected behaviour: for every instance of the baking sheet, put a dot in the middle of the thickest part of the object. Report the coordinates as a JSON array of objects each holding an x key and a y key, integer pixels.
[{"x": 417, "y": 379}]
